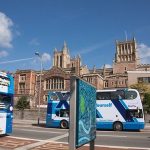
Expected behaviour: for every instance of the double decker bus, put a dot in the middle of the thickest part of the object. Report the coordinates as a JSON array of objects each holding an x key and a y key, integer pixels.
[
  {"x": 119, "y": 110},
  {"x": 6, "y": 102},
  {"x": 115, "y": 109}
]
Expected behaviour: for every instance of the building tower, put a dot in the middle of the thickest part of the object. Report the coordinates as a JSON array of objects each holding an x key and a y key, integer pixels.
[
  {"x": 126, "y": 58},
  {"x": 61, "y": 58}
]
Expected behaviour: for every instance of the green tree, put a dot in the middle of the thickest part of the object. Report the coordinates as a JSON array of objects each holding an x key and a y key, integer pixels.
[
  {"x": 144, "y": 91},
  {"x": 22, "y": 104},
  {"x": 146, "y": 101},
  {"x": 142, "y": 88}
]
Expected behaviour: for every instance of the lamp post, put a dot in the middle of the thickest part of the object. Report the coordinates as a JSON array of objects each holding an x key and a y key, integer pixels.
[{"x": 38, "y": 54}]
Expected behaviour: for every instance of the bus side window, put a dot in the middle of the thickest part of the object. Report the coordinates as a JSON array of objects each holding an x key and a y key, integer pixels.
[
  {"x": 117, "y": 95},
  {"x": 103, "y": 96},
  {"x": 137, "y": 113},
  {"x": 64, "y": 113},
  {"x": 129, "y": 95}
]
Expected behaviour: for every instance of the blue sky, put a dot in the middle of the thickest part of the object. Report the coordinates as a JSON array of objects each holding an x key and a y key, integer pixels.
[{"x": 90, "y": 28}]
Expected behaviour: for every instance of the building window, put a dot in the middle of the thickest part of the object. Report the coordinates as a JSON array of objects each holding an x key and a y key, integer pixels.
[
  {"x": 22, "y": 78},
  {"x": 21, "y": 88},
  {"x": 106, "y": 84},
  {"x": 144, "y": 80},
  {"x": 61, "y": 61},
  {"x": 46, "y": 98},
  {"x": 56, "y": 83},
  {"x": 57, "y": 61},
  {"x": 90, "y": 79}
]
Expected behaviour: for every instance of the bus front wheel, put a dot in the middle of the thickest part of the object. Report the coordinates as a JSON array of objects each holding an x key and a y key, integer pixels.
[
  {"x": 118, "y": 126},
  {"x": 64, "y": 124}
]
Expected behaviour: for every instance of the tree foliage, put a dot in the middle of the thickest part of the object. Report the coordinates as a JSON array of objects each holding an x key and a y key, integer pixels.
[
  {"x": 22, "y": 103},
  {"x": 142, "y": 88},
  {"x": 144, "y": 91},
  {"x": 146, "y": 101}
]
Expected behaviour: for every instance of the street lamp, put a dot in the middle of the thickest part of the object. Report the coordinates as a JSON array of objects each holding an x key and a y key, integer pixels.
[{"x": 38, "y": 54}]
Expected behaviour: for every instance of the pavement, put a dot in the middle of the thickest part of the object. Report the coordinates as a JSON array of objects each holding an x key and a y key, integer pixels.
[{"x": 14, "y": 143}]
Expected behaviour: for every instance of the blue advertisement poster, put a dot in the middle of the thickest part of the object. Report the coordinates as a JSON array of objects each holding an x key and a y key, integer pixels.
[{"x": 86, "y": 113}]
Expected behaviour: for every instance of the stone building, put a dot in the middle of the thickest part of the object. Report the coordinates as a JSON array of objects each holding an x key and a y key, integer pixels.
[
  {"x": 138, "y": 77},
  {"x": 25, "y": 85},
  {"x": 126, "y": 60},
  {"x": 57, "y": 78}
]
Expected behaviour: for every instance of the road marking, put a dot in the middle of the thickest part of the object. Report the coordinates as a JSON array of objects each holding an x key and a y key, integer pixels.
[
  {"x": 42, "y": 142},
  {"x": 124, "y": 147},
  {"x": 65, "y": 135},
  {"x": 115, "y": 136},
  {"x": 42, "y": 131},
  {"x": 21, "y": 138}
]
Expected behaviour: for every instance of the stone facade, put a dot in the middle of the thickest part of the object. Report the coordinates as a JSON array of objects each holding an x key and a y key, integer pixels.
[
  {"x": 138, "y": 77},
  {"x": 25, "y": 84},
  {"x": 126, "y": 57},
  {"x": 95, "y": 79},
  {"x": 58, "y": 77}
]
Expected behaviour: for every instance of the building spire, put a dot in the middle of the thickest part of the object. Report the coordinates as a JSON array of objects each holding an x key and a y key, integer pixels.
[
  {"x": 65, "y": 48},
  {"x": 55, "y": 49},
  {"x": 125, "y": 32}
]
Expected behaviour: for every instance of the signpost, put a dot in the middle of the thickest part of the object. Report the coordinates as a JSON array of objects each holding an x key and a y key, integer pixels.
[{"x": 82, "y": 114}]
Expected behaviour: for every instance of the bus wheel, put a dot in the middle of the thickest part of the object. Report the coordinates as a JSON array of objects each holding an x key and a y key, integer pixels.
[
  {"x": 64, "y": 124},
  {"x": 118, "y": 126}
]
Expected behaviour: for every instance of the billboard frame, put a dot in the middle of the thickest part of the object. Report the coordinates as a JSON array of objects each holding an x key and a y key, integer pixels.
[{"x": 74, "y": 115}]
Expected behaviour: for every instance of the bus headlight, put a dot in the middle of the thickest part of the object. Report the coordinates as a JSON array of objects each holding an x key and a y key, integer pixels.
[{"x": 11, "y": 108}]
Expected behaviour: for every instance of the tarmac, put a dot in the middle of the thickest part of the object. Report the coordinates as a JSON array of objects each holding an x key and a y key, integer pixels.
[{"x": 27, "y": 144}]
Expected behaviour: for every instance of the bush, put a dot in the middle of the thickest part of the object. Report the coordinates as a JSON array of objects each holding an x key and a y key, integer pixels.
[
  {"x": 146, "y": 101},
  {"x": 23, "y": 103}
]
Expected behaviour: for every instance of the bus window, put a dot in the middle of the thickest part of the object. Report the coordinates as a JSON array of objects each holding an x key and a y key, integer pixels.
[
  {"x": 53, "y": 97},
  {"x": 5, "y": 100},
  {"x": 129, "y": 95},
  {"x": 134, "y": 113},
  {"x": 117, "y": 95},
  {"x": 103, "y": 96},
  {"x": 64, "y": 113}
]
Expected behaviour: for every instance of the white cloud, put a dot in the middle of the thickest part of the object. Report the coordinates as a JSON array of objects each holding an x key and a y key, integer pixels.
[
  {"x": 3, "y": 54},
  {"x": 107, "y": 66},
  {"x": 90, "y": 49},
  {"x": 5, "y": 31},
  {"x": 34, "y": 42},
  {"x": 94, "y": 47},
  {"x": 46, "y": 57},
  {"x": 144, "y": 53}
]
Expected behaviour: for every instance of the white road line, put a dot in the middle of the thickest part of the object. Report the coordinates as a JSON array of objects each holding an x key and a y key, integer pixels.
[
  {"x": 124, "y": 147},
  {"x": 65, "y": 135},
  {"x": 42, "y": 131},
  {"x": 57, "y": 137},
  {"x": 115, "y": 136},
  {"x": 21, "y": 138},
  {"x": 42, "y": 142}
]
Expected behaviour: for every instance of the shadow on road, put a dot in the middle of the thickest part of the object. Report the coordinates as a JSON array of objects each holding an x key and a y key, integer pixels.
[{"x": 40, "y": 125}]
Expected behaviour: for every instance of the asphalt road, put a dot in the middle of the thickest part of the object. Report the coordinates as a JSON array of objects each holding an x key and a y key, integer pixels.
[{"x": 109, "y": 138}]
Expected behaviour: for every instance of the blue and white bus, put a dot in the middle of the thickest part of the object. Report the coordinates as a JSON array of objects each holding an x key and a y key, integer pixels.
[
  {"x": 119, "y": 110},
  {"x": 6, "y": 102},
  {"x": 115, "y": 109},
  {"x": 58, "y": 109}
]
